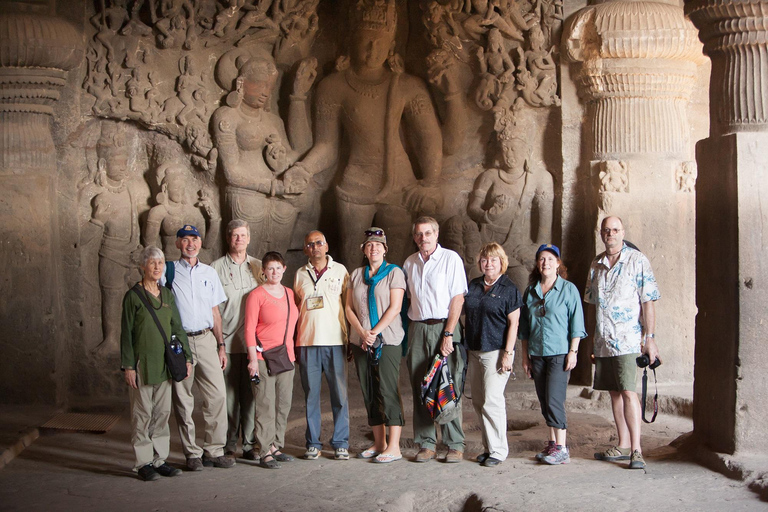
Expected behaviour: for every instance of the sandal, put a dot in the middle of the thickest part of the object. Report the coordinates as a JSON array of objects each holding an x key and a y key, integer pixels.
[
  {"x": 367, "y": 454},
  {"x": 268, "y": 461},
  {"x": 282, "y": 457},
  {"x": 386, "y": 458}
]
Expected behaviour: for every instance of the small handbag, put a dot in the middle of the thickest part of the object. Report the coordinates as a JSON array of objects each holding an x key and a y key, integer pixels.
[
  {"x": 277, "y": 358},
  {"x": 176, "y": 363},
  {"x": 438, "y": 393}
]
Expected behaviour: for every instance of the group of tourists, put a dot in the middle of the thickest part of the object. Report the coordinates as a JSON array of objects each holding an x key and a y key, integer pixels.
[{"x": 242, "y": 333}]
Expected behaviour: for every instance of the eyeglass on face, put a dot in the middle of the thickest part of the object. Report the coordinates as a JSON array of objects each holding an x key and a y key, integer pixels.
[
  {"x": 611, "y": 231},
  {"x": 377, "y": 232},
  {"x": 319, "y": 243}
]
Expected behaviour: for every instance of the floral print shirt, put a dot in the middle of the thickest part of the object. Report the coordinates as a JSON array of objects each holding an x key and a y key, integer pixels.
[{"x": 617, "y": 294}]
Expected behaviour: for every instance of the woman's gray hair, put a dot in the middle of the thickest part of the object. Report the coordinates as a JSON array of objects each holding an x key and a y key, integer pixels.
[{"x": 151, "y": 253}]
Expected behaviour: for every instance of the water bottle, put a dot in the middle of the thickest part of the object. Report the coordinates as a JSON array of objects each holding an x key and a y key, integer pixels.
[{"x": 175, "y": 345}]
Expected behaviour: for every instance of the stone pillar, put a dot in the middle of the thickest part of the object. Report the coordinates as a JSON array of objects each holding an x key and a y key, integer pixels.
[
  {"x": 731, "y": 378},
  {"x": 35, "y": 53},
  {"x": 637, "y": 73}
]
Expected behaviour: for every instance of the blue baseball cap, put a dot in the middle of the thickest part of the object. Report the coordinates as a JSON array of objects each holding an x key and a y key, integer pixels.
[
  {"x": 548, "y": 247},
  {"x": 188, "y": 230}
]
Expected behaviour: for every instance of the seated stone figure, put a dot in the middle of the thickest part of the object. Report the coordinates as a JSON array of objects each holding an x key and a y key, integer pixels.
[
  {"x": 174, "y": 210},
  {"x": 254, "y": 151},
  {"x": 504, "y": 199}
]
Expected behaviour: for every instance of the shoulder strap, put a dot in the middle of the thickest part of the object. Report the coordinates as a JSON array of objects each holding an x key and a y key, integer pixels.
[
  {"x": 136, "y": 289},
  {"x": 287, "y": 315},
  {"x": 170, "y": 273}
]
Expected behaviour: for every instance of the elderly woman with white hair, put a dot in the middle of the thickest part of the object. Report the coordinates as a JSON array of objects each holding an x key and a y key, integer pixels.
[{"x": 142, "y": 350}]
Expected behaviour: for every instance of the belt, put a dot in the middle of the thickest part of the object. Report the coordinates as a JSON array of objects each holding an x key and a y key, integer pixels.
[
  {"x": 431, "y": 321},
  {"x": 198, "y": 333}
]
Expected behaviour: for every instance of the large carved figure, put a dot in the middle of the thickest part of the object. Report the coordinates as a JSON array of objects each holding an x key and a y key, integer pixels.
[
  {"x": 174, "y": 210},
  {"x": 115, "y": 214},
  {"x": 504, "y": 199},
  {"x": 367, "y": 102},
  {"x": 254, "y": 151}
]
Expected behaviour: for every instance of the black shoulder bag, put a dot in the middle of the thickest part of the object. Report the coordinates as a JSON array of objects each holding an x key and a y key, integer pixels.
[
  {"x": 176, "y": 363},
  {"x": 277, "y": 358}
]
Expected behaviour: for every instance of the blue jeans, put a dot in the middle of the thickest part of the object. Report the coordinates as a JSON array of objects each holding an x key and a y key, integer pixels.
[{"x": 313, "y": 362}]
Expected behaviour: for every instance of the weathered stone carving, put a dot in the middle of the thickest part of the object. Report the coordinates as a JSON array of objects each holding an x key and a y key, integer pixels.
[
  {"x": 685, "y": 177},
  {"x": 254, "y": 150},
  {"x": 614, "y": 176},
  {"x": 174, "y": 209},
  {"x": 734, "y": 36},
  {"x": 504, "y": 200}
]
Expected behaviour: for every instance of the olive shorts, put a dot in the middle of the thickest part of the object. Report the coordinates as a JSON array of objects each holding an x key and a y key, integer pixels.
[{"x": 618, "y": 373}]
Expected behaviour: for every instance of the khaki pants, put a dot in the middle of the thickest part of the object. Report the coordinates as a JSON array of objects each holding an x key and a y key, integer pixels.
[
  {"x": 207, "y": 374},
  {"x": 241, "y": 407},
  {"x": 150, "y": 434},
  {"x": 488, "y": 400},
  {"x": 273, "y": 403}
]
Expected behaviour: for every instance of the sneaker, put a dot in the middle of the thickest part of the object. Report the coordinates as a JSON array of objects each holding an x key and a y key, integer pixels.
[
  {"x": 166, "y": 470},
  {"x": 637, "y": 461},
  {"x": 557, "y": 456},
  {"x": 148, "y": 473},
  {"x": 614, "y": 454},
  {"x": 341, "y": 453},
  {"x": 312, "y": 453},
  {"x": 546, "y": 451},
  {"x": 221, "y": 461},
  {"x": 194, "y": 464}
]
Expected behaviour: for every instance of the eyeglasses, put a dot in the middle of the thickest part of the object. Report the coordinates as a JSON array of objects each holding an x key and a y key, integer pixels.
[
  {"x": 319, "y": 243},
  {"x": 610, "y": 231},
  {"x": 376, "y": 232},
  {"x": 542, "y": 308}
]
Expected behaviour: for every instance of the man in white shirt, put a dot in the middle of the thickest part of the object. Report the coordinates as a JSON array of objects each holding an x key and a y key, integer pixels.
[
  {"x": 437, "y": 284},
  {"x": 198, "y": 293}
]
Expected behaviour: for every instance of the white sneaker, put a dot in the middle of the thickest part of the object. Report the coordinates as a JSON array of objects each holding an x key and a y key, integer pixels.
[
  {"x": 311, "y": 454},
  {"x": 341, "y": 454}
]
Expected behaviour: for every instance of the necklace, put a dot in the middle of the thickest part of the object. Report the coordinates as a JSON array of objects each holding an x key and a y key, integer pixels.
[
  {"x": 150, "y": 302},
  {"x": 486, "y": 283},
  {"x": 364, "y": 88},
  {"x": 115, "y": 189}
]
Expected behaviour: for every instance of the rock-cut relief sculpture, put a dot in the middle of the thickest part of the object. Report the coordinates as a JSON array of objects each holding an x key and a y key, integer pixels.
[
  {"x": 254, "y": 150},
  {"x": 368, "y": 100},
  {"x": 175, "y": 209},
  {"x": 504, "y": 200}
]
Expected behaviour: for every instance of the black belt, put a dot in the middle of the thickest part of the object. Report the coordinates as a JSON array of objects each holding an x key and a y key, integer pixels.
[
  {"x": 198, "y": 333},
  {"x": 431, "y": 321}
]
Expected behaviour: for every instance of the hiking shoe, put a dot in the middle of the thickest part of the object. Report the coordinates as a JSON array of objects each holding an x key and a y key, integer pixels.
[
  {"x": 557, "y": 456},
  {"x": 194, "y": 464},
  {"x": 312, "y": 453},
  {"x": 637, "y": 461},
  {"x": 148, "y": 473},
  {"x": 424, "y": 455},
  {"x": 221, "y": 461},
  {"x": 455, "y": 456},
  {"x": 546, "y": 451},
  {"x": 341, "y": 453},
  {"x": 614, "y": 454},
  {"x": 166, "y": 470}
]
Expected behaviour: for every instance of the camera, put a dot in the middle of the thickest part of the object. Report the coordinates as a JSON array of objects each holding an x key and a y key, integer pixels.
[
  {"x": 644, "y": 361},
  {"x": 255, "y": 379}
]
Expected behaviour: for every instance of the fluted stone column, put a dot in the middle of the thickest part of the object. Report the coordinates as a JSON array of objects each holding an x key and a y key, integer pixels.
[
  {"x": 638, "y": 64},
  {"x": 731, "y": 378},
  {"x": 35, "y": 53}
]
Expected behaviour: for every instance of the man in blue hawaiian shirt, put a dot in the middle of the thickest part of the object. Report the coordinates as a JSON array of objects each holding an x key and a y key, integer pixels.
[{"x": 622, "y": 292}]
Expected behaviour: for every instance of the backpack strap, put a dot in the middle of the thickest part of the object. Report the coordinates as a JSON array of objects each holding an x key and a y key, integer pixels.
[{"x": 170, "y": 273}]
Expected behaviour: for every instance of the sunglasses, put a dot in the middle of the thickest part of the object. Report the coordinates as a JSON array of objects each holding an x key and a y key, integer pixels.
[
  {"x": 319, "y": 243},
  {"x": 376, "y": 232},
  {"x": 542, "y": 311}
]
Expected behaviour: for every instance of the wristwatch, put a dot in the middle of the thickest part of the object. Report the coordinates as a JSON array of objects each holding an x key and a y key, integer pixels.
[
  {"x": 222, "y": 344},
  {"x": 447, "y": 334},
  {"x": 574, "y": 351}
]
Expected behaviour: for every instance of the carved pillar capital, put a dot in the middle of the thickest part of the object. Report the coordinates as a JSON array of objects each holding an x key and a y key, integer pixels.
[
  {"x": 638, "y": 69},
  {"x": 735, "y": 36}
]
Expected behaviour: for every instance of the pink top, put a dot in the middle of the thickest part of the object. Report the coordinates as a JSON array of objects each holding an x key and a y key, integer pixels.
[{"x": 265, "y": 315}]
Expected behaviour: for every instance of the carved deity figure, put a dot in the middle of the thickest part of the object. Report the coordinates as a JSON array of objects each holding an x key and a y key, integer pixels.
[
  {"x": 367, "y": 102},
  {"x": 498, "y": 72},
  {"x": 246, "y": 134},
  {"x": 538, "y": 78},
  {"x": 174, "y": 210},
  {"x": 176, "y": 24},
  {"x": 504, "y": 199},
  {"x": 115, "y": 214}
]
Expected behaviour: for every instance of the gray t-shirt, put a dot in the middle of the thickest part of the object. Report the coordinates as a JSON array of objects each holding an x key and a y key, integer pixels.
[{"x": 394, "y": 333}]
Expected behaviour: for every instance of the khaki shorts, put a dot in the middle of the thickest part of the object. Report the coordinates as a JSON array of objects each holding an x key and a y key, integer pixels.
[{"x": 618, "y": 373}]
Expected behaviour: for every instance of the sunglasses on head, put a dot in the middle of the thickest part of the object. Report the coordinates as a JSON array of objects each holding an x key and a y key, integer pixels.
[{"x": 376, "y": 232}]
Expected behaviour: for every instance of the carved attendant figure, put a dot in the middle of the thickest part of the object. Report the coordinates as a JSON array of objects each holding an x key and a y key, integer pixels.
[{"x": 254, "y": 150}]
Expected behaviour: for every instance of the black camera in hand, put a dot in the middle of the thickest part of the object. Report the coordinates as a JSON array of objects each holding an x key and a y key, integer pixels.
[
  {"x": 644, "y": 361},
  {"x": 255, "y": 379}
]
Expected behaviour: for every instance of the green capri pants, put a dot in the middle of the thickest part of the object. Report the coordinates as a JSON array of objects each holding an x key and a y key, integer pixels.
[{"x": 379, "y": 384}]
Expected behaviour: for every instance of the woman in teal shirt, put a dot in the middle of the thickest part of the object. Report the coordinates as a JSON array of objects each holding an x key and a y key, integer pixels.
[
  {"x": 142, "y": 349},
  {"x": 551, "y": 326}
]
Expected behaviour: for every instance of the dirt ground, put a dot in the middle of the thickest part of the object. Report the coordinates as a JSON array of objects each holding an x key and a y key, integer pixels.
[{"x": 83, "y": 472}]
